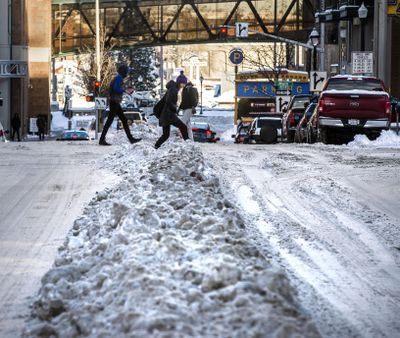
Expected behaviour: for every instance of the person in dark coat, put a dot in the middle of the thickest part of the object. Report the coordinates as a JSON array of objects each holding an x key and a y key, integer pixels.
[
  {"x": 41, "y": 124},
  {"x": 116, "y": 91},
  {"x": 15, "y": 124},
  {"x": 190, "y": 98},
  {"x": 169, "y": 115}
]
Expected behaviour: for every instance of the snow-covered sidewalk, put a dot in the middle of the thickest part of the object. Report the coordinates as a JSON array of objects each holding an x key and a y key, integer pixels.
[{"x": 164, "y": 254}]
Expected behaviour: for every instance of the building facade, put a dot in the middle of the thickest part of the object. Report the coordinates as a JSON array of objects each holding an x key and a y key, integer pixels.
[
  {"x": 345, "y": 31},
  {"x": 25, "y": 52}
]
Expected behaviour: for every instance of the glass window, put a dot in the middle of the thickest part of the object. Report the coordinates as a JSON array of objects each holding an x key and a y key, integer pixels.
[
  {"x": 300, "y": 102},
  {"x": 351, "y": 84}
]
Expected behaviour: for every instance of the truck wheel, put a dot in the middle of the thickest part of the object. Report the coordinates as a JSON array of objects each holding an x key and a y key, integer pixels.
[
  {"x": 290, "y": 136},
  {"x": 268, "y": 134},
  {"x": 326, "y": 136},
  {"x": 310, "y": 136},
  {"x": 297, "y": 137}
]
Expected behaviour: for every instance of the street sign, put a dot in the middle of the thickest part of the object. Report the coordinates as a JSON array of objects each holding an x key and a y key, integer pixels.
[
  {"x": 317, "y": 80},
  {"x": 282, "y": 102},
  {"x": 100, "y": 102},
  {"x": 13, "y": 69},
  {"x": 236, "y": 56},
  {"x": 362, "y": 62},
  {"x": 242, "y": 29}
]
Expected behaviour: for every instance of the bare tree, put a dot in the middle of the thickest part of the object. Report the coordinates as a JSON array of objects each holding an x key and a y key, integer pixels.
[
  {"x": 270, "y": 60},
  {"x": 87, "y": 66}
]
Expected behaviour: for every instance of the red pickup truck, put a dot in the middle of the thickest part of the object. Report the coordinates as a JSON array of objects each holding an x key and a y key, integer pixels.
[{"x": 350, "y": 105}]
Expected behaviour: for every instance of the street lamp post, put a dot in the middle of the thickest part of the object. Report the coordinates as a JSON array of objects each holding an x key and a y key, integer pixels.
[
  {"x": 362, "y": 14},
  {"x": 314, "y": 38},
  {"x": 201, "y": 93},
  {"x": 140, "y": 82},
  {"x": 98, "y": 74}
]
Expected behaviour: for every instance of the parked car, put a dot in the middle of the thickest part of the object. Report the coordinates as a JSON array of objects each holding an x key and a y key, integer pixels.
[
  {"x": 293, "y": 114},
  {"x": 265, "y": 129},
  {"x": 242, "y": 133},
  {"x": 202, "y": 132},
  {"x": 312, "y": 132},
  {"x": 133, "y": 115},
  {"x": 350, "y": 105},
  {"x": 301, "y": 128},
  {"x": 395, "y": 106},
  {"x": 74, "y": 135}
]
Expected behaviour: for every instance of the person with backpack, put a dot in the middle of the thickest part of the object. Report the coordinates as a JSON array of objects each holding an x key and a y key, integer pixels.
[
  {"x": 169, "y": 115},
  {"x": 116, "y": 91},
  {"x": 190, "y": 99}
]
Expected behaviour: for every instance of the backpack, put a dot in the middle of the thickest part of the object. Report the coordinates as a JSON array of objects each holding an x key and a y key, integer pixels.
[
  {"x": 193, "y": 96},
  {"x": 158, "y": 108}
]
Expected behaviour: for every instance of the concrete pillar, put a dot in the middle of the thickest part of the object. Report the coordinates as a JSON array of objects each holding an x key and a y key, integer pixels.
[
  {"x": 381, "y": 67},
  {"x": 5, "y": 55},
  {"x": 395, "y": 55},
  {"x": 39, "y": 56}
]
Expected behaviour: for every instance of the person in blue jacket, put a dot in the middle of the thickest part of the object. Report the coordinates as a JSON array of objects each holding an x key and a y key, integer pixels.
[{"x": 116, "y": 91}]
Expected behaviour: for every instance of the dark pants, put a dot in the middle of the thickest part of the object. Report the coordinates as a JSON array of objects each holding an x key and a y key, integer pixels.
[
  {"x": 41, "y": 134},
  {"x": 166, "y": 131},
  {"x": 115, "y": 109},
  {"x": 15, "y": 130}
]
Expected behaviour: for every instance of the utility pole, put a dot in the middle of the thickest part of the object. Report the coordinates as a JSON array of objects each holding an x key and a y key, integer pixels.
[
  {"x": 98, "y": 39},
  {"x": 54, "y": 80},
  {"x": 322, "y": 40},
  {"x": 98, "y": 61}
]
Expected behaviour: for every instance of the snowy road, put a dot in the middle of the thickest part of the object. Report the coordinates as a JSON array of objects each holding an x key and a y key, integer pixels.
[
  {"x": 332, "y": 216},
  {"x": 43, "y": 188},
  {"x": 165, "y": 252}
]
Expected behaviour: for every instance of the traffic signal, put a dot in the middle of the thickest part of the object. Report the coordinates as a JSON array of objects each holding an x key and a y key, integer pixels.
[
  {"x": 97, "y": 87},
  {"x": 223, "y": 32},
  {"x": 89, "y": 98}
]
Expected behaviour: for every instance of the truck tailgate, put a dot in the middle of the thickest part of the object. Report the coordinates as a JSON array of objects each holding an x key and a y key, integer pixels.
[{"x": 358, "y": 105}]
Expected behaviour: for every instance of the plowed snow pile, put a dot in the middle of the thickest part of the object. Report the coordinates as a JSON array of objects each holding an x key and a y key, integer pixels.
[{"x": 163, "y": 254}]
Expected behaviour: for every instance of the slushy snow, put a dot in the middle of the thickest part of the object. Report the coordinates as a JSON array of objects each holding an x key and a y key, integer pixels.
[{"x": 163, "y": 254}]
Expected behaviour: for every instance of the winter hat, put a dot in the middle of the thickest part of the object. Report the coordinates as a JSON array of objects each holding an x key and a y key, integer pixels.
[
  {"x": 123, "y": 70},
  {"x": 181, "y": 79}
]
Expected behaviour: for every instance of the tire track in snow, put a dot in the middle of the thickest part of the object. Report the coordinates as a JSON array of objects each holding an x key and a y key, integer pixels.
[{"x": 320, "y": 232}]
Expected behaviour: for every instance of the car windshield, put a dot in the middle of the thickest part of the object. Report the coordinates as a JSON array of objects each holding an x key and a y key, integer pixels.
[
  {"x": 298, "y": 102},
  {"x": 244, "y": 130},
  {"x": 354, "y": 83}
]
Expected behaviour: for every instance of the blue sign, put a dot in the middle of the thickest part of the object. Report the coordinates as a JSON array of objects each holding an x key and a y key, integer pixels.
[
  {"x": 236, "y": 56},
  {"x": 261, "y": 89}
]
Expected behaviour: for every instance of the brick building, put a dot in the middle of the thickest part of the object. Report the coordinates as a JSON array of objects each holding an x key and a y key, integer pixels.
[{"x": 25, "y": 52}]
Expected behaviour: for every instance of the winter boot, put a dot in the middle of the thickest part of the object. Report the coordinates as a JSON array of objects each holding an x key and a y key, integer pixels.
[
  {"x": 134, "y": 140},
  {"x": 104, "y": 143}
]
